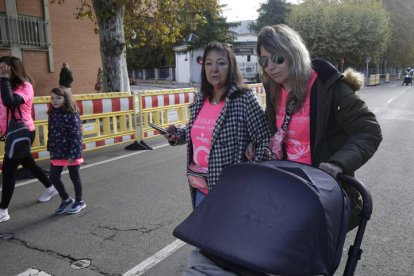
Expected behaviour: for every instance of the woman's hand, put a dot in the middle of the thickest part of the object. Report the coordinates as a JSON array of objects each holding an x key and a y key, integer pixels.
[
  {"x": 331, "y": 168},
  {"x": 250, "y": 152},
  {"x": 5, "y": 71},
  {"x": 172, "y": 134},
  {"x": 276, "y": 144}
]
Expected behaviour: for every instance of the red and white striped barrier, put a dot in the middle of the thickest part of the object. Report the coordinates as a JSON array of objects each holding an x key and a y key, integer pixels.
[
  {"x": 162, "y": 107},
  {"x": 154, "y": 101},
  {"x": 108, "y": 119},
  {"x": 256, "y": 87},
  {"x": 88, "y": 107}
]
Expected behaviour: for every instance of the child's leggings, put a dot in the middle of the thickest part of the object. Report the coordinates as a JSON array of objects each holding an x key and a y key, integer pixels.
[{"x": 56, "y": 172}]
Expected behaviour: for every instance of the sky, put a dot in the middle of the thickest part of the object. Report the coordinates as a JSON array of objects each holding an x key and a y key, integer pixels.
[{"x": 238, "y": 10}]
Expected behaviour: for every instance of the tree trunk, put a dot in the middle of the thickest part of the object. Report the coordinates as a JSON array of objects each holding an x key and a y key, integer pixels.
[{"x": 110, "y": 19}]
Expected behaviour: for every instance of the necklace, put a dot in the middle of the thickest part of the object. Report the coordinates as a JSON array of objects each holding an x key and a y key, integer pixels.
[{"x": 214, "y": 101}]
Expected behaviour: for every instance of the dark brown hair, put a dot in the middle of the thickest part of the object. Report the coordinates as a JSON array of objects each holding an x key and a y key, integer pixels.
[
  {"x": 69, "y": 105},
  {"x": 18, "y": 73},
  {"x": 233, "y": 75}
]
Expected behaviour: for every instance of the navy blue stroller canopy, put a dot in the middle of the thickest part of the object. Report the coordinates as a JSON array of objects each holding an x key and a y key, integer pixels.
[{"x": 276, "y": 217}]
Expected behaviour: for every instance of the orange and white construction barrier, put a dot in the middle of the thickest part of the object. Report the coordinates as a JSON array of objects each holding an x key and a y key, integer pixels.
[{"x": 107, "y": 119}]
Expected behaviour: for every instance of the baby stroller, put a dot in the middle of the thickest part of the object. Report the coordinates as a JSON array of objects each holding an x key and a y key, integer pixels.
[{"x": 276, "y": 217}]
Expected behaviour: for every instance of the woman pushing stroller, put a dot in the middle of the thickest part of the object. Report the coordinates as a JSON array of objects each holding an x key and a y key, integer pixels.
[{"x": 314, "y": 117}]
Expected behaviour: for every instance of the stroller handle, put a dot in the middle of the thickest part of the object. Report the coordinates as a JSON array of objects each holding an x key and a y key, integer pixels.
[
  {"x": 355, "y": 251},
  {"x": 365, "y": 194}
]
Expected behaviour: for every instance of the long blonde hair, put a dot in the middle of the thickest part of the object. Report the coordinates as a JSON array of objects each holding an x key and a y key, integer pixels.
[{"x": 281, "y": 39}]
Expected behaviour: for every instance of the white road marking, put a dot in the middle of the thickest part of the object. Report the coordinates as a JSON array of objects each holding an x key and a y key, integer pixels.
[
  {"x": 24, "y": 183},
  {"x": 141, "y": 268},
  {"x": 34, "y": 271},
  {"x": 392, "y": 99},
  {"x": 396, "y": 117},
  {"x": 382, "y": 108},
  {"x": 389, "y": 101}
]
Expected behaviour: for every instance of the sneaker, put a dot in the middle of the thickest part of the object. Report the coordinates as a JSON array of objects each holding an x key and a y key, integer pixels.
[
  {"x": 50, "y": 193},
  {"x": 76, "y": 207},
  {"x": 4, "y": 215},
  {"x": 62, "y": 207}
]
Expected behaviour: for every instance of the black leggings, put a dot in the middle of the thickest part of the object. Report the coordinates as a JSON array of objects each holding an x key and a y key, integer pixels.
[
  {"x": 9, "y": 175},
  {"x": 56, "y": 172}
]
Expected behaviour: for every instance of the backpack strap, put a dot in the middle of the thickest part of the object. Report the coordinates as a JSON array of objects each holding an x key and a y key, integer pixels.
[
  {"x": 3, "y": 137},
  {"x": 13, "y": 112},
  {"x": 11, "y": 109}
]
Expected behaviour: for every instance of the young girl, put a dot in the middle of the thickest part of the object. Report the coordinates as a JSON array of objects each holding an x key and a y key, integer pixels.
[{"x": 65, "y": 146}]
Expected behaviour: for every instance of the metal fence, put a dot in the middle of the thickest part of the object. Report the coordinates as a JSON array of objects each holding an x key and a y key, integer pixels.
[{"x": 166, "y": 73}]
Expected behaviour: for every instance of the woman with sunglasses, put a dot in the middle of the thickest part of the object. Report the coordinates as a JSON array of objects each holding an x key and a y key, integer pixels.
[{"x": 314, "y": 115}]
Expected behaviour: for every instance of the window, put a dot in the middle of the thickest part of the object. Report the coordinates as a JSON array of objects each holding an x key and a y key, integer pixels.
[{"x": 29, "y": 31}]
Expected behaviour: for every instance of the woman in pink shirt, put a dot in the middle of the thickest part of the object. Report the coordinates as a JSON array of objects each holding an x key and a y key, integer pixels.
[
  {"x": 224, "y": 118},
  {"x": 17, "y": 90},
  {"x": 314, "y": 115}
]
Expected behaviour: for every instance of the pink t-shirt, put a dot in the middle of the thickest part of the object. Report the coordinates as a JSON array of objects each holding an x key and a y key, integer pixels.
[
  {"x": 202, "y": 132},
  {"x": 297, "y": 139},
  {"x": 26, "y": 92}
]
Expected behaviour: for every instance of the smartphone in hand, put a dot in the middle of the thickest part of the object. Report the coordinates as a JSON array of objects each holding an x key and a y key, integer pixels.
[{"x": 160, "y": 129}]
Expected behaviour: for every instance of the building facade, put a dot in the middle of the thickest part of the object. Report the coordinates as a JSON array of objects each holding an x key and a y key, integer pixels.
[
  {"x": 244, "y": 47},
  {"x": 44, "y": 35},
  {"x": 188, "y": 65}
]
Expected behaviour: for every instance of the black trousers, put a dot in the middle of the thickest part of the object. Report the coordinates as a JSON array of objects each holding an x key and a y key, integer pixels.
[
  {"x": 74, "y": 173},
  {"x": 9, "y": 175}
]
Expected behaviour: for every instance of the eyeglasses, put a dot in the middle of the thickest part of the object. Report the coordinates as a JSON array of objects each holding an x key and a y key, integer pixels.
[{"x": 276, "y": 58}]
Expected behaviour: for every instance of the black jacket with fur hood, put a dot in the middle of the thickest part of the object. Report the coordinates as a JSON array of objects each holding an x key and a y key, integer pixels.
[{"x": 343, "y": 130}]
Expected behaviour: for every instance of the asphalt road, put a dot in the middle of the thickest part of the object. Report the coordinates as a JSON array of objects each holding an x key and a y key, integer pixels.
[{"x": 136, "y": 198}]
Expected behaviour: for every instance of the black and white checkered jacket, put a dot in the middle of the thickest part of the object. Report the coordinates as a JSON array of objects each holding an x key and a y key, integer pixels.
[{"x": 241, "y": 121}]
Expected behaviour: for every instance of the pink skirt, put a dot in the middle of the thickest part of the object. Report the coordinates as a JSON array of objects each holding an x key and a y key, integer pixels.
[{"x": 65, "y": 162}]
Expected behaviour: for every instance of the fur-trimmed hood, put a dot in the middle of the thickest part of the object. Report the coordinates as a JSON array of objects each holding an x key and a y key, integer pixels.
[
  {"x": 354, "y": 79},
  {"x": 328, "y": 74}
]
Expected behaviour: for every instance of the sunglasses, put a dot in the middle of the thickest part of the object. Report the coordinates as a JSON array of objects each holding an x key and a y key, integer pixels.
[{"x": 276, "y": 58}]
